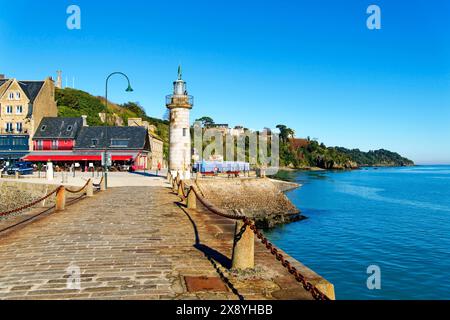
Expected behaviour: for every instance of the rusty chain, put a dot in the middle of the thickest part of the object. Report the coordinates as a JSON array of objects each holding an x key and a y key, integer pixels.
[
  {"x": 97, "y": 185},
  {"x": 3, "y": 214},
  {"x": 79, "y": 190},
  {"x": 308, "y": 286}
]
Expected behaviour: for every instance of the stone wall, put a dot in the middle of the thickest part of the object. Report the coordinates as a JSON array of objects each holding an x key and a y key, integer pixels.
[
  {"x": 14, "y": 194},
  {"x": 260, "y": 199}
]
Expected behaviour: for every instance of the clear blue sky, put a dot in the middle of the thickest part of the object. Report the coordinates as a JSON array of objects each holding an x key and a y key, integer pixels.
[{"x": 312, "y": 65}]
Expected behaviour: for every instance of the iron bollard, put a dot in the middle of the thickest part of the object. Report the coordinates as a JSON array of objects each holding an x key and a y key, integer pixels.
[
  {"x": 90, "y": 189},
  {"x": 60, "y": 199},
  {"x": 243, "y": 247}
]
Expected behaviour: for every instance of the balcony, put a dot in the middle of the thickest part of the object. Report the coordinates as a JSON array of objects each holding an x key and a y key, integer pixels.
[
  {"x": 185, "y": 101},
  {"x": 14, "y": 132}
]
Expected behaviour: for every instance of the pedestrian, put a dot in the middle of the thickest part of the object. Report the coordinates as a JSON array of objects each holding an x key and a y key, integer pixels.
[{"x": 158, "y": 168}]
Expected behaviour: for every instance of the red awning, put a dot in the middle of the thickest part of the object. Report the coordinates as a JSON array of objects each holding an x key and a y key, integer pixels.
[
  {"x": 122, "y": 158},
  {"x": 62, "y": 158},
  {"x": 75, "y": 157}
]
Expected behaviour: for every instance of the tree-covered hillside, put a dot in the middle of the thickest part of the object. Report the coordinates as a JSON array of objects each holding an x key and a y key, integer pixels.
[
  {"x": 301, "y": 153},
  {"x": 376, "y": 157},
  {"x": 75, "y": 103}
]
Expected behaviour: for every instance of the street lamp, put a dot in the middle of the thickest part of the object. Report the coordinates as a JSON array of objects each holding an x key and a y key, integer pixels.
[{"x": 128, "y": 89}]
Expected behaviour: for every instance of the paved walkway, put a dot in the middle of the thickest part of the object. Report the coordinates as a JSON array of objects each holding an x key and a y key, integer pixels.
[
  {"x": 133, "y": 243},
  {"x": 115, "y": 179}
]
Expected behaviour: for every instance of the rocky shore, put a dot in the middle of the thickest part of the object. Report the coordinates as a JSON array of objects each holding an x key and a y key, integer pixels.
[{"x": 261, "y": 199}]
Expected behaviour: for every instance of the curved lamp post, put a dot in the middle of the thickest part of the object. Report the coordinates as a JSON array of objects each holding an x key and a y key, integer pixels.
[{"x": 128, "y": 89}]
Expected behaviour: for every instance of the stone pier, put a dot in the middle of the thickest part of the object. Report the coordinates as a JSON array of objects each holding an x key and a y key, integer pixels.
[{"x": 137, "y": 243}]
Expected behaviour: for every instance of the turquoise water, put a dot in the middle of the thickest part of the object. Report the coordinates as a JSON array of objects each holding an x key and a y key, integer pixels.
[{"x": 396, "y": 218}]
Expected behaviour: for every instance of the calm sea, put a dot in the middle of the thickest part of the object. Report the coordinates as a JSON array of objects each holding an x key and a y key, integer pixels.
[{"x": 395, "y": 218}]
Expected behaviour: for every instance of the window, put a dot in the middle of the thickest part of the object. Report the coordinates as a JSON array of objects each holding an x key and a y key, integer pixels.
[
  {"x": 9, "y": 109},
  {"x": 119, "y": 142},
  {"x": 9, "y": 127},
  {"x": 40, "y": 145},
  {"x": 94, "y": 143},
  {"x": 184, "y": 132},
  {"x": 19, "y": 142},
  {"x": 17, "y": 95},
  {"x": 11, "y": 96},
  {"x": 19, "y": 109},
  {"x": 43, "y": 127},
  {"x": 55, "y": 144},
  {"x": 19, "y": 126}
]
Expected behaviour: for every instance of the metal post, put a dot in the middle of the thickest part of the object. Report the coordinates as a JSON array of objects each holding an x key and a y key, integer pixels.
[
  {"x": 244, "y": 247},
  {"x": 105, "y": 169},
  {"x": 60, "y": 199}
]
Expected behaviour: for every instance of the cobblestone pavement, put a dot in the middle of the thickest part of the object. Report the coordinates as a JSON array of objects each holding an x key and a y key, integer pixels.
[{"x": 132, "y": 243}]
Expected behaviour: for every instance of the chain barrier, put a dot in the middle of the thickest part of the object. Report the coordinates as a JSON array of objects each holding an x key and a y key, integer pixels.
[
  {"x": 79, "y": 190},
  {"x": 6, "y": 213},
  {"x": 97, "y": 185},
  {"x": 3, "y": 214},
  {"x": 308, "y": 286}
]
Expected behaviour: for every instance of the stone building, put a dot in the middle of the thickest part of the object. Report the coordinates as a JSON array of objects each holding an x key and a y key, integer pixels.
[
  {"x": 23, "y": 104},
  {"x": 156, "y": 143},
  {"x": 67, "y": 141},
  {"x": 179, "y": 104}
]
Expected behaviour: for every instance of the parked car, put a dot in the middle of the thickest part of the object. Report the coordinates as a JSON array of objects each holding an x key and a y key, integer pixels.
[{"x": 23, "y": 168}]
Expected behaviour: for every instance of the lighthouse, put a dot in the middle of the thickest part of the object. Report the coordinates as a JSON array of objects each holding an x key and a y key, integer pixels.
[{"x": 179, "y": 104}]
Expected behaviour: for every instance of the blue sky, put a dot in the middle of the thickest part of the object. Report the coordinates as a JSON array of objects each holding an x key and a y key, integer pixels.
[{"x": 312, "y": 65}]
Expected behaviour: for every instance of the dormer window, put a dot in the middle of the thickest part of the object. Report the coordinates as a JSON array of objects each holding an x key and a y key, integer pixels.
[
  {"x": 69, "y": 128},
  {"x": 94, "y": 143},
  {"x": 119, "y": 143},
  {"x": 43, "y": 127}
]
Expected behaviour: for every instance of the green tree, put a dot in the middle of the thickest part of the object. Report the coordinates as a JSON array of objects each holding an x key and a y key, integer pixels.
[{"x": 206, "y": 121}]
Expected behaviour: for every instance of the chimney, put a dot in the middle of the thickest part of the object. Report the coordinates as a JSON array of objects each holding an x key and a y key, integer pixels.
[{"x": 84, "y": 120}]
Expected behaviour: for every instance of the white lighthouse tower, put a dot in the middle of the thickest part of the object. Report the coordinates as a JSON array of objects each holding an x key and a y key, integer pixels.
[{"x": 179, "y": 104}]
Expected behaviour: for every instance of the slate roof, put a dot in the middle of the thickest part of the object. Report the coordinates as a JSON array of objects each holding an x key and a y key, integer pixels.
[
  {"x": 135, "y": 138},
  {"x": 31, "y": 88},
  {"x": 58, "y": 128}
]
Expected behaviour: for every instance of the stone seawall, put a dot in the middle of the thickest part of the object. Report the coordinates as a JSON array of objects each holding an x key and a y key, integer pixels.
[
  {"x": 261, "y": 199},
  {"x": 14, "y": 194}
]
